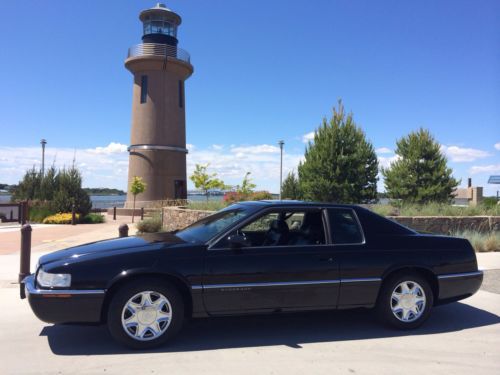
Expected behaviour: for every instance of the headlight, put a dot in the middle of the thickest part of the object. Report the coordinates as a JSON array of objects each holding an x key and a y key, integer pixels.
[{"x": 49, "y": 280}]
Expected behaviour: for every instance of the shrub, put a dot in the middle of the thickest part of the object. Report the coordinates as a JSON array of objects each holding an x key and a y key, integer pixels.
[
  {"x": 207, "y": 206},
  {"x": 150, "y": 225},
  {"x": 481, "y": 242},
  {"x": 234, "y": 196},
  {"x": 93, "y": 218},
  {"x": 60, "y": 218}
]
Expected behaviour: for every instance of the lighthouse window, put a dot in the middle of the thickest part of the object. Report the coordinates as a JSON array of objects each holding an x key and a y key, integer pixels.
[
  {"x": 181, "y": 94},
  {"x": 144, "y": 89},
  {"x": 158, "y": 25}
]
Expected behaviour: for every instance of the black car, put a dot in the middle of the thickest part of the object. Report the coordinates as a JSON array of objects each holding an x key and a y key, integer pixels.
[{"x": 254, "y": 257}]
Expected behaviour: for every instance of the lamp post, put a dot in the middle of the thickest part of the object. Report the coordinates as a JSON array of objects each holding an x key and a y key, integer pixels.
[
  {"x": 43, "y": 142},
  {"x": 281, "y": 143}
]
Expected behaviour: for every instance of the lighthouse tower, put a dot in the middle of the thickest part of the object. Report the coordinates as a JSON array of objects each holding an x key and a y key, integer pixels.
[{"x": 157, "y": 150}]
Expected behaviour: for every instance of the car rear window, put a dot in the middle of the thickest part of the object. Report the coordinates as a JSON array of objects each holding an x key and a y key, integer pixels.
[{"x": 344, "y": 226}]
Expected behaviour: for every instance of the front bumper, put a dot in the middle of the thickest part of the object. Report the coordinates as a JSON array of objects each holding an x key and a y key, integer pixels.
[
  {"x": 64, "y": 306},
  {"x": 457, "y": 286}
]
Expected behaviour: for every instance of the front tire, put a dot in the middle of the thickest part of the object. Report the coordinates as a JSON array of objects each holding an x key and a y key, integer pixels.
[
  {"x": 145, "y": 313},
  {"x": 405, "y": 301}
]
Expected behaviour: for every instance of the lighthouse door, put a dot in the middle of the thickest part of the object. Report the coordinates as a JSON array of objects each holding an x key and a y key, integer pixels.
[{"x": 180, "y": 189}]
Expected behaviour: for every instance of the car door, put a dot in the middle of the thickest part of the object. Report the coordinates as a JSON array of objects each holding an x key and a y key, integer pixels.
[
  {"x": 359, "y": 273},
  {"x": 272, "y": 274}
]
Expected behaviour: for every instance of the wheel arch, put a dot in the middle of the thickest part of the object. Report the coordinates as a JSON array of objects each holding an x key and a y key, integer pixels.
[
  {"x": 175, "y": 280},
  {"x": 421, "y": 270}
]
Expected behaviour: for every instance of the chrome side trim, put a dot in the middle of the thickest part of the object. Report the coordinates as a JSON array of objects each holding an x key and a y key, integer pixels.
[
  {"x": 284, "y": 283},
  {"x": 465, "y": 274},
  {"x": 157, "y": 147},
  {"x": 31, "y": 289},
  {"x": 362, "y": 280}
]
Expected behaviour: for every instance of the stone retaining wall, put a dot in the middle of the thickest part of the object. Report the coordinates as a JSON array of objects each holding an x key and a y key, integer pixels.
[{"x": 180, "y": 217}]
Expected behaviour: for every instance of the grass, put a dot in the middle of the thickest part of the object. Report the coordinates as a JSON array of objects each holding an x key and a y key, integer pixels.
[
  {"x": 482, "y": 242},
  {"x": 152, "y": 224},
  {"x": 435, "y": 209},
  {"x": 206, "y": 206},
  {"x": 37, "y": 214}
]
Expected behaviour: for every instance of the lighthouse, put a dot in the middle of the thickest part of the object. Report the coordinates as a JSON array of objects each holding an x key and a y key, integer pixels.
[{"x": 157, "y": 150}]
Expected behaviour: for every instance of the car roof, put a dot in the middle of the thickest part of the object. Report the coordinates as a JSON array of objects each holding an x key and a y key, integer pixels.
[{"x": 288, "y": 203}]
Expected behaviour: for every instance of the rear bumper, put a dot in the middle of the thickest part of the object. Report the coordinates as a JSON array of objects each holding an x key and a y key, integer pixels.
[
  {"x": 457, "y": 286},
  {"x": 64, "y": 306}
]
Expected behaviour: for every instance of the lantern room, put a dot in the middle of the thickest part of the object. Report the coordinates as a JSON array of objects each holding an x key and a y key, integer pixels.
[{"x": 160, "y": 25}]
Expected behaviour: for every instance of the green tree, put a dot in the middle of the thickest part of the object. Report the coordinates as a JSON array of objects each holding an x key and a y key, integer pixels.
[
  {"x": 70, "y": 192},
  {"x": 247, "y": 185},
  {"x": 137, "y": 186},
  {"x": 420, "y": 174},
  {"x": 291, "y": 187},
  {"x": 340, "y": 165},
  {"x": 204, "y": 181}
]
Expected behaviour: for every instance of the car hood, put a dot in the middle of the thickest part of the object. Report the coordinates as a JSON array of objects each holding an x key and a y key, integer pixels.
[{"x": 104, "y": 248}]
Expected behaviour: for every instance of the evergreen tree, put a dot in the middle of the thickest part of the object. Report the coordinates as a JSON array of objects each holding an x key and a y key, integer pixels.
[
  {"x": 291, "y": 187},
  {"x": 340, "y": 164},
  {"x": 420, "y": 174}
]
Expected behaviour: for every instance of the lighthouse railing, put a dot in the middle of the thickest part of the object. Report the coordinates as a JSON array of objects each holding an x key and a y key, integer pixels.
[{"x": 155, "y": 49}]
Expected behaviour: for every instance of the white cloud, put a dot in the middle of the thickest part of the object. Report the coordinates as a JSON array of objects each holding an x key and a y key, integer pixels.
[
  {"x": 308, "y": 137},
  {"x": 460, "y": 154},
  {"x": 497, "y": 146},
  {"x": 217, "y": 147},
  {"x": 386, "y": 161},
  {"x": 112, "y": 148},
  {"x": 492, "y": 168},
  {"x": 257, "y": 149},
  {"x": 100, "y": 166},
  {"x": 383, "y": 150},
  {"x": 108, "y": 166}
]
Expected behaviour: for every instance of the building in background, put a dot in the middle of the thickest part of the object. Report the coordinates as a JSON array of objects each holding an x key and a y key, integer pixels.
[
  {"x": 469, "y": 196},
  {"x": 157, "y": 150}
]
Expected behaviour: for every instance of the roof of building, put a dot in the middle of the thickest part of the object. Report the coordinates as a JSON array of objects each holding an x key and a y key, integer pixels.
[{"x": 162, "y": 9}]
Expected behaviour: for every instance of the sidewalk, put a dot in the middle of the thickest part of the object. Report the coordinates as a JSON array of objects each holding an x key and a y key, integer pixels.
[{"x": 49, "y": 238}]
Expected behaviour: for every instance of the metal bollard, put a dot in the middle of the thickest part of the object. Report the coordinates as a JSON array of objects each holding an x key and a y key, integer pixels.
[
  {"x": 123, "y": 230},
  {"x": 114, "y": 213},
  {"x": 142, "y": 213},
  {"x": 24, "y": 269},
  {"x": 73, "y": 215}
]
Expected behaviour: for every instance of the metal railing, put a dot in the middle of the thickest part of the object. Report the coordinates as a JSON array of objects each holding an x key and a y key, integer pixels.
[{"x": 154, "y": 49}]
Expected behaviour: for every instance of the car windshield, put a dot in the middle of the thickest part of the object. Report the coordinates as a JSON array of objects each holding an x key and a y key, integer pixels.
[{"x": 207, "y": 228}]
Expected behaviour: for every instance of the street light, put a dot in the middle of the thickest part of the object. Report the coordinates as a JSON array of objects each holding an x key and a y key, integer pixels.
[
  {"x": 43, "y": 142},
  {"x": 281, "y": 143}
]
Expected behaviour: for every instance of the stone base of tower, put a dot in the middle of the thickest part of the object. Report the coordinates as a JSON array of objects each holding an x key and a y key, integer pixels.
[{"x": 164, "y": 173}]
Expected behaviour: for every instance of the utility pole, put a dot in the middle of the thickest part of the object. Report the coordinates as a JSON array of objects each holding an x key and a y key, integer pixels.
[
  {"x": 43, "y": 142},
  {"x": 281, "y": 143}
]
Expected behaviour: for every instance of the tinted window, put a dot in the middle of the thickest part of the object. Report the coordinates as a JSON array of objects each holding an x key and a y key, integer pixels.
[
  {"x": 283, "y": 228},
  {"x": 344, "y": 226},
  {"x": 207, "y": 228}
]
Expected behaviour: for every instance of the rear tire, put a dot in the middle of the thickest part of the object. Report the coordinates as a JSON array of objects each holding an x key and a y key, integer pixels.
[
  {"x": 145, "y": 313},
  {"x": 405, "y": 301}
]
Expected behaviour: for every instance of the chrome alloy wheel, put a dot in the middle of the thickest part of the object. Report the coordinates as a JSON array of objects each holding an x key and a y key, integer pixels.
[
  {"x": 146, "y": 316},
  {"x": 408, "y": 301}
]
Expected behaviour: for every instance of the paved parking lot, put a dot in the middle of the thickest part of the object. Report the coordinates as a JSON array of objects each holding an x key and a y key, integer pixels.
[{"x": 460, "y": 338}]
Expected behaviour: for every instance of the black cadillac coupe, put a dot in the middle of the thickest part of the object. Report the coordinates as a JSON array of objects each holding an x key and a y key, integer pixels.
[{"x": 254, "y": 257}]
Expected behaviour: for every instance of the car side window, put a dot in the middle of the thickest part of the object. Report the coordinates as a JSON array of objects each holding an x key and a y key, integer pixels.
[
  {"x": 344, "y": 226},
  {"x": 282, "y": 228}
]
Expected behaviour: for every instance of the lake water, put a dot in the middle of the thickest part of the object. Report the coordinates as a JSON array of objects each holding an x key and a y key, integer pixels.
[{"x": 107, "y": 201}]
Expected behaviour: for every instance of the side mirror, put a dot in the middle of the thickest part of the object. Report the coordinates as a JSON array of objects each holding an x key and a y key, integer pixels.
[{"x": 237, "y": 241}]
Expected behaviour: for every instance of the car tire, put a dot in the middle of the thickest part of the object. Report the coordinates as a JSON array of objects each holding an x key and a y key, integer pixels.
[
  {"x": 405, "y": 301},
  {"x": 145, "y": 313}
]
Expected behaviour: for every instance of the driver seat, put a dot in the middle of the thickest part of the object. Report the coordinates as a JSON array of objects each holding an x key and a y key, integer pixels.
[{"x": 277, "y": 234}]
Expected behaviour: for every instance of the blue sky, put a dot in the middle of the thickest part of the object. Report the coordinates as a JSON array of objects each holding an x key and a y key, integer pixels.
[{"x": 264, "y": 71}]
